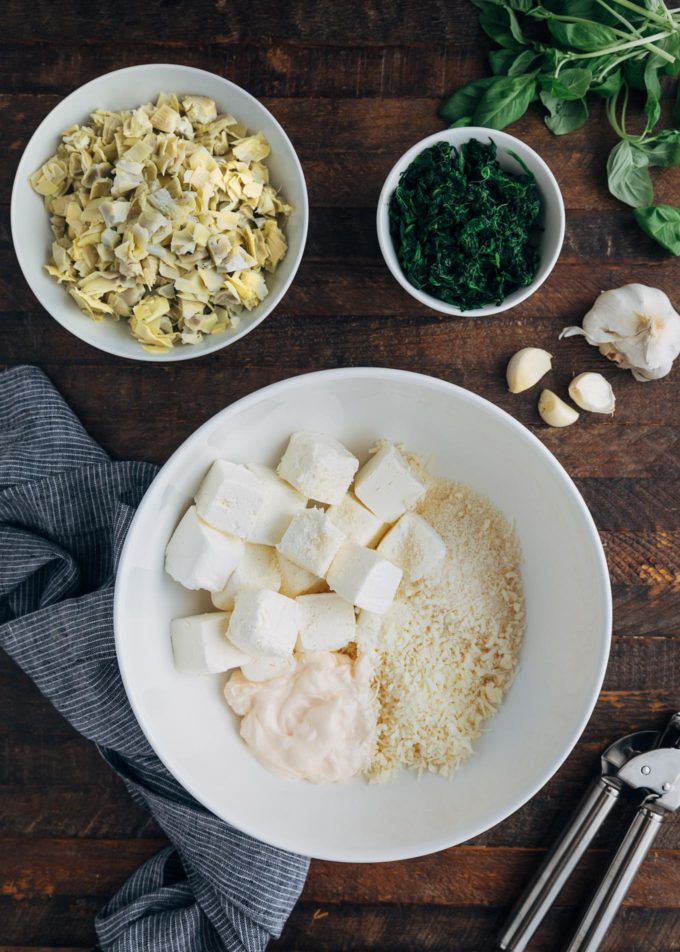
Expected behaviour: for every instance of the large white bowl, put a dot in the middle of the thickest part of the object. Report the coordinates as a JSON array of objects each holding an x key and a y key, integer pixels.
[
  {"x": 124, "y": 89},
  {"x": 562, "y": 662},
  {"x": 552, "y": 219}
]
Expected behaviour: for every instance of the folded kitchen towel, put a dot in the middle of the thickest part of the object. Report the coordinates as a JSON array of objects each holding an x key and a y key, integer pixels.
[{"x": 64, "y": 510}]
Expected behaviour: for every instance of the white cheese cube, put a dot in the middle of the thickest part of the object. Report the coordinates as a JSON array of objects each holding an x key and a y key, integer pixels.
[
  {"x": 327, "y": 622},
  {"x": 364, "y": 577},
  {"x": 297, "y": 581},
  {"x": 356, "y": 521},
  {"x": 200, "y": 644},
  {"x": 264, "y": 669},
  {"x": 230, "y": 498},
  {"x": 199, "y": 556},
  {"x": 281, "y": 502},
  {"x": 387, "y": 484},
  {"x": 259, "y": 568},
  {"x": 369, "y": 629},
  {"x": 414, "y": 546},
  {"x": 318, "y": 466},
  {"x": 311, "y": 541},
  {"x": 264, "y": 623}
]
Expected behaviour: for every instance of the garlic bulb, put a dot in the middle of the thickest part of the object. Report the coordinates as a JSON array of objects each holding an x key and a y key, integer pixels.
[
  {"x": 592, "y": 392},
  {"x": 526, "y": 367},
  {"x": 636, "y": 327},
  {"x": 554, "y": 411}
]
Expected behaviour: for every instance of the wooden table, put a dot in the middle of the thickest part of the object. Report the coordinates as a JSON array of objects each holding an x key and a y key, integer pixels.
[{"x": 354, "y": 84}]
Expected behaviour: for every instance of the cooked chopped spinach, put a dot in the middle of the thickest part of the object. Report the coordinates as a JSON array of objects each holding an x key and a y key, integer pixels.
[{"x": 464, "y": 229}]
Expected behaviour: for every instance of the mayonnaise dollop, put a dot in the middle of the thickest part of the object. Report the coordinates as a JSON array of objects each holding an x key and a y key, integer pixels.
[{"x": 317, "y": 722}]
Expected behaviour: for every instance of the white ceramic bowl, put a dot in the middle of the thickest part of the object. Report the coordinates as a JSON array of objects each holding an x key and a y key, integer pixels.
[
  {"x": 124, "y": 89},
  {"x": 552, "y": 218},
  {"x": 562, "y": 661}
]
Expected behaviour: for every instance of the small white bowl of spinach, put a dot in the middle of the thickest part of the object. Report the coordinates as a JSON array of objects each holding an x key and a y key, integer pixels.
[{"x": 470, "y": 221}]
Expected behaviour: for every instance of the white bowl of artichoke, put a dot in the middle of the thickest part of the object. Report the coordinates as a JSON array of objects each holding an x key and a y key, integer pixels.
[{"x": 159, "y": 212}]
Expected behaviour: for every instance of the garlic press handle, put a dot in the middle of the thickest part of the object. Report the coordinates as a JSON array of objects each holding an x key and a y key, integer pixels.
[
  {"x": 559, "y": 864},
  {"x": 616, "y": 883}
]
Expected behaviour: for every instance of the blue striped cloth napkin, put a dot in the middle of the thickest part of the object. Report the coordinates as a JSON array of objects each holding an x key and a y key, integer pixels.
[{"x": 64, "y": 510}]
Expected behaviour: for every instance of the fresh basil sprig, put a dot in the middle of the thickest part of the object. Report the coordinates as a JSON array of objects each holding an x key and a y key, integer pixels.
[{"x": 561, "y": 51}]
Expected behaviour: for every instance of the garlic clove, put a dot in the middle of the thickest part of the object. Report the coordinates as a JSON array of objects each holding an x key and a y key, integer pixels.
[
  {"x": 526, "y": 367},
  {"x": 554, "y": 411},
  {"x": 592, "y": 392}
]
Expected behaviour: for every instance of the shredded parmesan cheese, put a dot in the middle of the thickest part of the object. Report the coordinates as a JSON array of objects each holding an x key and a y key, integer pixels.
[{"x": 450, "y": 642}]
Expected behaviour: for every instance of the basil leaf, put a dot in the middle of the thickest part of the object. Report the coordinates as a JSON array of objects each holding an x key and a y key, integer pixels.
[
  {"x": 588, "y": 37},
  {"x": 522, "y": 6},
  {"x": 501, "y": 25},
  {"x": 501, "y": 60},
  {"x": 464, "y": 101},
  {"x": 664, "y": 149},
  {"x": 512, "y": 61},
  {"x": 610, "y": 85},
  {"x": 662, "y": 223},
  {"x": 634, "y": 72},
  {"x": 506, "y": 101},
  {"x": 585, "y": 9},
  {"x": 653, "y": 87},
  {"x": 628, "y": 175},
  {"x": 552, "y": 59},
  {"x": 565, "y": 114},
  {"x": 671, "y": 44},
  {"x": 570, "y": 84},
  {"x": 523, "y": 63}
]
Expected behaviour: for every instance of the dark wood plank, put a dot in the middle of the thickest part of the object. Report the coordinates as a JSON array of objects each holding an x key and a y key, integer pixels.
[
  {"x": 41, "y": 869},
  {"x": 380, "y": 927},
  {"x": 265, "y": 68},
  {"x": 406, "y": 928},
  {"x": 301, "y": 20}
]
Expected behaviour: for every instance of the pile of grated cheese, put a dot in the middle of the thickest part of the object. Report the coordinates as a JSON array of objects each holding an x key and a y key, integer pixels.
[{"x": 449, "y": 644}]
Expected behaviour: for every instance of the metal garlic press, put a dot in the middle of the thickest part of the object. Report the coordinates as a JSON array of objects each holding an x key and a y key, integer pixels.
[{"x": 644, "y": 766}]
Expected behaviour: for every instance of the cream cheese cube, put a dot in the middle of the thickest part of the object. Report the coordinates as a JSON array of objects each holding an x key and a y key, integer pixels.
[
  {"x": 369, "y": 630},
  {"x": 414, "y": 546},
  {"x": 264, "y": 669},
  {"x": 387, "y": 485},
  {"x": 327, "y": 622},
  {"x": 318, "y": 466},
  {"x": 281, "y": 502},
  {"x": 264, "y": 623},
  {"x": 297, "y": 581},
  {"x": 364, "y": 577},
  {"x": 259, "y": 568},
  {"x": 200, "y": 644},
  {"x": 356, "y": 521},
  {"x": 311, "y": 541},
  {"x": 198, "y": 556},
  {"x": 230, "y": 498}
]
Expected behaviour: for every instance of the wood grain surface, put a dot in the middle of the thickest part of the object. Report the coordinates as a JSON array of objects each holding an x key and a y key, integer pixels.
[{"x": 354, "y": 84}]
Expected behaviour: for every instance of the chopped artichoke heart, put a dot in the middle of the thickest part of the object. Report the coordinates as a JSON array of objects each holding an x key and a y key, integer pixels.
[
  {"x": 199, "y": 109},
  {"x": 163, "y": 215},
  {"x": 90, "y": 305},
  {"x": 252, "y": 148},
  {"x": 150, "y": 308}
]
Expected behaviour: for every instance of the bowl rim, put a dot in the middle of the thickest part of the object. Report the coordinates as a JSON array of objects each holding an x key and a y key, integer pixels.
[
  {"x": 457, "y": 137},
  {"x": 186, "y": 352},
  {"x": 433, "y": 844}
]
